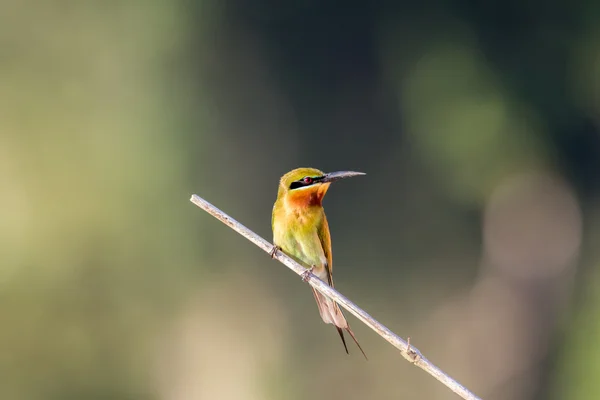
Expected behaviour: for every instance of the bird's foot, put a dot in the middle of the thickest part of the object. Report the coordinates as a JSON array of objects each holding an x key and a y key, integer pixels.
[
  {"x": 274, "y": 250},
  {"x": 306, "y": 274},
  {"x": 414, "y": 355}
]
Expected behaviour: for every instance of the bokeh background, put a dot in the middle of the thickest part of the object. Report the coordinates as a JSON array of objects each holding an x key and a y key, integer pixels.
[{"x": 475, "y": 231}]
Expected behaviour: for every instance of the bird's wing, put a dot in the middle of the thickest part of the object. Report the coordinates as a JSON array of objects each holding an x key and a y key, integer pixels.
[{"x": 325, "y": 238}]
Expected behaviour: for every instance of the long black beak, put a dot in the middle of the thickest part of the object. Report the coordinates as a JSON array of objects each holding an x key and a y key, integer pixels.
[{"x": 335, "y": 176}]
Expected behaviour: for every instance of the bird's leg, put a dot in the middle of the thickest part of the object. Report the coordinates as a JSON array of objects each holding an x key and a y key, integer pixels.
[
  {"x": 306, "y": 274},
  {"x": 274, "y": 250}
]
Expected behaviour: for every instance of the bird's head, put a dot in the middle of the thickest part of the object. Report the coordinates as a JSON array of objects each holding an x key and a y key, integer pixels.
[{"x": 307, "y": 186}]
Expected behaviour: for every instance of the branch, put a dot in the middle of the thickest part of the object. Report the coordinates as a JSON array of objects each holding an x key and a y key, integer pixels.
[{"x": 406, "y": 349}]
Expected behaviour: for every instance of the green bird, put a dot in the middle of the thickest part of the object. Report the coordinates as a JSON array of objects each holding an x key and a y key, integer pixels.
[{"x": 300, "y": 229}]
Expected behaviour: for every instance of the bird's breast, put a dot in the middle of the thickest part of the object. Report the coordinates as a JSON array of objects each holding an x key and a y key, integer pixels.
[{"x": 297, "y": 235}]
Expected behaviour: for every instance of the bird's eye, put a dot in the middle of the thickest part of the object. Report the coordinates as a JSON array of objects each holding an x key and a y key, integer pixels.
[{"x": 308, "y": 180}]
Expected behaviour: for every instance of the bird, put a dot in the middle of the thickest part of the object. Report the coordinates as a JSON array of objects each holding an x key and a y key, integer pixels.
[{"x": 301, "y": 231}]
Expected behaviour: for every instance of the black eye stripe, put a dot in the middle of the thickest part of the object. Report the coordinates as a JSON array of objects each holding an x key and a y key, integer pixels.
[{"x": 300, "y": 183}]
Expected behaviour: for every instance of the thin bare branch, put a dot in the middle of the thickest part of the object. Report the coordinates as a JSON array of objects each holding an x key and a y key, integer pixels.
[{"x": 407, "y": 350}]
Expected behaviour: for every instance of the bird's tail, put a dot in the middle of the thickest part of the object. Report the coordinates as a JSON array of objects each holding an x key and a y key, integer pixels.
[{"x": 332, "y": 314}]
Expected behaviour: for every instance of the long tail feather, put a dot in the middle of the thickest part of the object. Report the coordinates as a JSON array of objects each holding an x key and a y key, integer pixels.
[
  {"x": 341, "y": 332},
  {"x": 332, "y": 314},
  {"x": 355, "y": 341}
]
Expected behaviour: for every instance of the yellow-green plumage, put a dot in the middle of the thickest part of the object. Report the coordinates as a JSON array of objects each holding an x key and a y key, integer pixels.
[{"x": 301, "y": 230}]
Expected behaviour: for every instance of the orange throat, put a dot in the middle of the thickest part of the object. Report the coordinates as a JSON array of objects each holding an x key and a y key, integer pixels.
[{"x": 312, "y": 196}]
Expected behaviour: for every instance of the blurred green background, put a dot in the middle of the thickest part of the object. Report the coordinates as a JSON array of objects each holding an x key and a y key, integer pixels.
[{"x": 475, "y": 231}]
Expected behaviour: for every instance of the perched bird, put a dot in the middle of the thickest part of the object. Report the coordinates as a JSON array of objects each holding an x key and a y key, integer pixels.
[{"x": 301, "y": 231}]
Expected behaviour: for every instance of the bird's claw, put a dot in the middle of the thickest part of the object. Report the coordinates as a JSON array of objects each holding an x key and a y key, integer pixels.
[
  {"x": 415, "y": 357},
  {"x": 274, "y": 251},
  {"x": 306, "y": 274}
]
